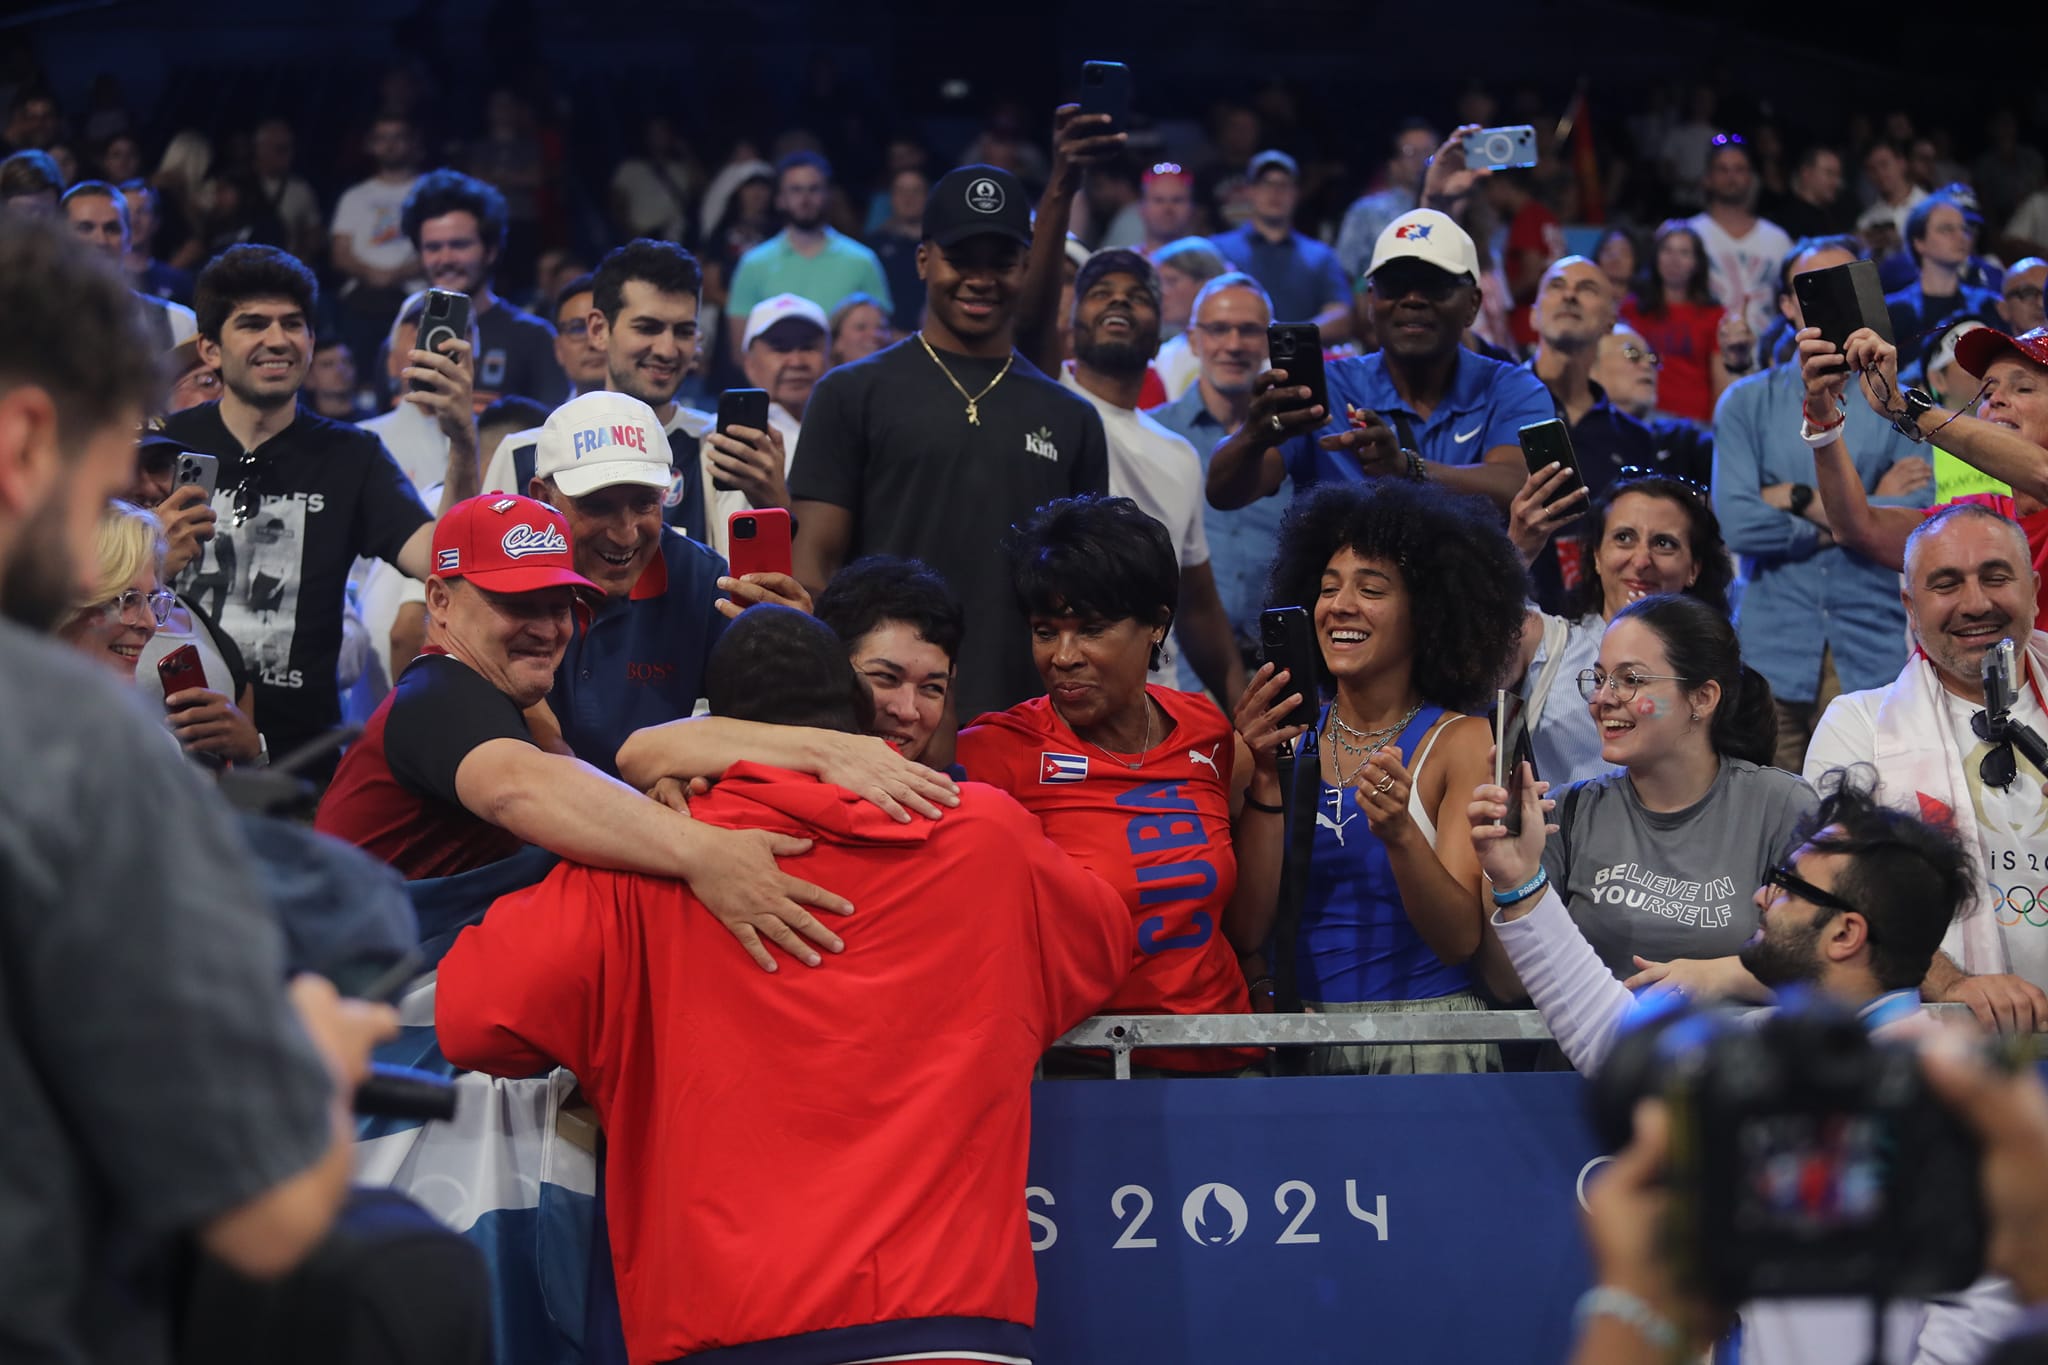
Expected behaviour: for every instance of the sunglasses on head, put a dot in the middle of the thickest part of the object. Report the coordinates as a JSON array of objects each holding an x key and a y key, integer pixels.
[{"x": 1630, "y": 472}]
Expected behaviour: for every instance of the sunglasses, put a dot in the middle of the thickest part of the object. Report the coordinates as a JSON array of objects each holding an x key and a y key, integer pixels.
[
  {"x": 1399, "y": 279},
  {"x": 1792, "y": 884}
]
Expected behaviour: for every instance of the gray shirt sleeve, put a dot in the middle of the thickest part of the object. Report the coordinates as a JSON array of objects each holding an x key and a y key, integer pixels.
[{"x": 146, "y": 974}]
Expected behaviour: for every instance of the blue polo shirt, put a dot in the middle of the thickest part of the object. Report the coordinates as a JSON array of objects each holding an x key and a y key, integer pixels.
[
  {"x": 640, "y": 661},
  {"x": 1487, "y": 406},
  {"x": 1300, "y": 274},
  {"x": 1240, "y": 542}
]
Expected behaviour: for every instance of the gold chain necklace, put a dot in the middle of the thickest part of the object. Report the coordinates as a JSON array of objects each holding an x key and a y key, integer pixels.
[{"x": 973, "y": 399}]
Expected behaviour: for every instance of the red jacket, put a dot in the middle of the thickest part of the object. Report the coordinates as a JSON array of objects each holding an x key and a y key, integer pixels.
[{"x": 833, "y": 1151}]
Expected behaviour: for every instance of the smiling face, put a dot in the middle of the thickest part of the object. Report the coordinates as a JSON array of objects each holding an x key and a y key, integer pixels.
[
  {"x": 1657, "y": 721},
  {"x": 1116, "y": 324},
  {"x": 265, "y": 348},
  {"x": 971, "y": 286},
  {"x": 1420, "y": 312},
  {"x": 651, "y": 345},
  {"x": 1228, "y": 339},
  {"x": 786, "y": 360},
  {"x": 1094, "y": 670},
  {"x": 114, "y": 634},
  {"x": 514, "y": 640},
  {"x": 1786, "y": 948},
  {"x": 453, "y": 254},
  {"x": 1646, "y": 550},
  {"x": 908, "y": 677},
  {"x": 1969, "y": 584},
  {"x": 1363, "y": 618},
  {"x": 616, "y": 531},
  {"x": 863, "y": 331},
  {"x": 2017, "y": 397}
]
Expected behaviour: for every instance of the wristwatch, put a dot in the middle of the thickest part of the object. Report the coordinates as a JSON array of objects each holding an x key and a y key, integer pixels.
[
  {"x": 1802, "y": 498},
  {"x": 1917, "y": 402}
]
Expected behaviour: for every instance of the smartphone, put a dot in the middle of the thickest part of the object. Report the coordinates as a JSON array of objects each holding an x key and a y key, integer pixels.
[
  {"x": 1297, "y": 348},
  {"x": 1510, "y": 751},
  {"x": 1548, "y": 443},
  {"x": 1106, "y": 89},
  {"x": 1287, "y": 640},
  {"x": 445, "y": 319},
  {"x": 195, "y": 468},
  {"x": 1841, "y": 299},
  {"x": 757, "y": 542},
  {"x": 181, "y": 671},
  {"x": 1501, "y": 149},
  {"x": 740, "y": 408}
]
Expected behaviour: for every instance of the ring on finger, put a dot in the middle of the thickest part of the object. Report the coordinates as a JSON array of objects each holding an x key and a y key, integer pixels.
[
  {"x": 1384, "y": 785},
  {"x": 1278, "y": 428}
]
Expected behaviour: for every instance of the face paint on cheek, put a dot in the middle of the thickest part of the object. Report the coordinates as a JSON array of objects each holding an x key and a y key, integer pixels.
[{"x": 1649, "y": 708}]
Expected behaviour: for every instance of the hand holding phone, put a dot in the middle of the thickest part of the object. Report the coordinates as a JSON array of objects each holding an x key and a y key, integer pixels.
[
  {"x": 757, "y": 541},
  {"x": 1297, "y": 348},
  {"x": 1106, "y": 89},
  {"x": 1510, "y": 754},
  {"x": 1500, "y": 149},
  {"x": 445, "y": 318},
  {"x": 1287, "y": 640},
  {"x": 1841, "y": 299}
]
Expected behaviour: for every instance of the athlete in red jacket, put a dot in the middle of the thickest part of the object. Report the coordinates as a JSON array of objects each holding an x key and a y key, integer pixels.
[{"x": 820, "y": 1166}]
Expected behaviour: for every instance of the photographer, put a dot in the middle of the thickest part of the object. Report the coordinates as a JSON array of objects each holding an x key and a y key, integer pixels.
[
  {"x": 165, "y": 1088},
  {"x": 1856, "y": 913}
]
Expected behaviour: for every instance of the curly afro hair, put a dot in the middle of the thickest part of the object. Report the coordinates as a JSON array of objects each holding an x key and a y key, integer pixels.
[{"x": 1467, "y": 589}]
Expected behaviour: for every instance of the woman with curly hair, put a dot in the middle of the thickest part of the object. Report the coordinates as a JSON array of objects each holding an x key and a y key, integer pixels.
[
  {"x": 1646, "y": 534},
  {"x": 1417, "y": 599}
]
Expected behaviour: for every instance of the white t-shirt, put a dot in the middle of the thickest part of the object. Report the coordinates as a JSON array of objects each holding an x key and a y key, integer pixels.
[
  {"x": 415, "y": 440},
  {"x": 368, "y": 214},
  {"x": 2029, "y": 221},
  {"x": 1176, "y": 366},
  {"x": 1162, "y": 474},
  {"x": 1895, "y": 214},
  {"x": 2012, "y": 822},
  {"x": 1743, "y": 271},
  {"x": 654, "y": 206}
]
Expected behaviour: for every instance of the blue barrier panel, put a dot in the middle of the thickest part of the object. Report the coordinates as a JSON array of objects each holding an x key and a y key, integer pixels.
[{"x": 1415, "y": 1219}]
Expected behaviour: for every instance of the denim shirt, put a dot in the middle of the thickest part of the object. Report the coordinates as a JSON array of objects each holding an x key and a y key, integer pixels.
[
  {"x": 1802, "y": 599},
  {"x": 1242, "y": 542}
]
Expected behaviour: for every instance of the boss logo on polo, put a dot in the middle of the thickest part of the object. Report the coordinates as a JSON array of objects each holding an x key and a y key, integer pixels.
[
  {"x": 985, "y": 196},
  {"x": 523, "y": 540},
  {"x": 593, "y": 439}
]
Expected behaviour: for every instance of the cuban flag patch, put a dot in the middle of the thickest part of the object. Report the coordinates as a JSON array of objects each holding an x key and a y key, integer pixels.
[
  {"x": 446, "y": 560},
  {"x": 1062, "y": 767}
]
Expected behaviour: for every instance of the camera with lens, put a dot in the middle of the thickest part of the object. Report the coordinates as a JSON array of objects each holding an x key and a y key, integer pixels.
[{"x": 1807, "y": 1159}]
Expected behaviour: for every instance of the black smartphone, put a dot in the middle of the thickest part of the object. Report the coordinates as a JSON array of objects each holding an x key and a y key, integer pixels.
[
  {"x": 1297, "y": 348},
  {"x": 1106, "y": 89},
  {"x": 444, "y": 319},
  {"x": 1510, "y": 751},
  {"x": 740, "y": 408},
  {"x": 1842, "y": 298},
  {"x": 1548, "y": 443},
  {"x": 1287, "y": 640}
]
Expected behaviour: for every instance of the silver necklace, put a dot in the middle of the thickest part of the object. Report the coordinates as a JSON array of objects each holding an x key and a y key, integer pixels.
[
  {"x": 1361, "y": 744},
  {"x": 1121, "y": 760}
]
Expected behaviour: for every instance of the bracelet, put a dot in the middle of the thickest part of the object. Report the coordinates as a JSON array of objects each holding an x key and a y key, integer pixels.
[
  {"x": 1841, "y": 416},
  {"x": 1416, "y": 469},
  {"x": 1524, "y": 891},
  {"x": 1606, "y": 1301},
  {"x": 1253, "y": 985},
  {"x": 1818, "y": 437},
  {"x": 1266, "y": 806}
]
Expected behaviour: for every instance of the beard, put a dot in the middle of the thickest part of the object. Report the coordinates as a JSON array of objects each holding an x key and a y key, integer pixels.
[
  {"x": 1123, "y": 358},
  {"x": 37, "y": 582},
  {"x": 808, "y": 222},
  {"x": 254, "y": 397},
  {"x": 1777, "y": 962}
]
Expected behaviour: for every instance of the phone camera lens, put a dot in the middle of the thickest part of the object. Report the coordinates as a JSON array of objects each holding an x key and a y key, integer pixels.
[{"x": 743, "y": 529}]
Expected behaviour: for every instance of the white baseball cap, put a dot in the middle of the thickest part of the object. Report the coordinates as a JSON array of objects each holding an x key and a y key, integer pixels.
[
  {"x": 782, "y": 308},
  {"x": 1429, "y": 236},
  {"x": 601, "y": 439}
]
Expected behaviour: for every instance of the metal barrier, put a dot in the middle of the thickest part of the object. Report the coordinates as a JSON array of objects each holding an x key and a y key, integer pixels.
[{"x": 1121, "y": 1034}]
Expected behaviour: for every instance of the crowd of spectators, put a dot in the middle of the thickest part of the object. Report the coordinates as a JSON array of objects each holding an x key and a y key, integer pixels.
[{"x": 1042, "y": 474}]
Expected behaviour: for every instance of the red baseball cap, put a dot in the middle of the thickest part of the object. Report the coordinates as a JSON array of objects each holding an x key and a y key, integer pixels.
[
  {"x": 505, "y": 543},
  {"x": 1976, "y": 350}
]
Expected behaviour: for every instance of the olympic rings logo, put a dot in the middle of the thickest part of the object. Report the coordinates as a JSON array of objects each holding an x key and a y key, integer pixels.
[{"x": 2017, "y": 905}]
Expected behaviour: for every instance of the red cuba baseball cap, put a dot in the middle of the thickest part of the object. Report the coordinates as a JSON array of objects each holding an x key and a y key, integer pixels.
[
  {"x": 1976, "y": 350},
  {"x": 502, "y": 542}
]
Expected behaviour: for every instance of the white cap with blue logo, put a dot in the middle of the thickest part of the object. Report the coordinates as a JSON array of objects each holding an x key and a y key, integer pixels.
[
  {"x": 1430, "y": 237},
  {"x": 600, "y": 439}
]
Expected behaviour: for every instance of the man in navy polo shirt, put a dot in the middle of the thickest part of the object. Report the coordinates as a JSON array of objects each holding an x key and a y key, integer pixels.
[
  {"x": 1422, "y": 407},
  {"x": 1300, "y": 274},
  {"x": 603, "y": 461}
]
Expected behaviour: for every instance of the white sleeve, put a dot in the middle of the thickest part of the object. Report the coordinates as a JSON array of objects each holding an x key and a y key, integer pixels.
[
  {"x": 1845, "y": 736},
  {"x": 1580, "y": 1001},
  {"x": 184, "y": 322},
  {"x": 1962, "y": 1329},
  {"x": 349, "y": 215}
]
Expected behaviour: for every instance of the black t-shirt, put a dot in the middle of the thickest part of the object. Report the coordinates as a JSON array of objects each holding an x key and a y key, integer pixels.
[
  {"x": 888, "y": 438},
  {"x": 324, "y": 494},
  {"x": 517, "y": 356},
  {"x": 394, "y": 794}
]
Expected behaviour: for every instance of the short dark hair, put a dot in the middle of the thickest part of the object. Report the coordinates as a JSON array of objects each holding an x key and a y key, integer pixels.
[
  {"x": 1906, "y": 877},
  {"x": 442, "y": 192},
  {"x": 97, "y": 189},
  {"x": 582, "y": 284},
  {"x": 1806, "y": 246},
  {"x": 327, "y": 341},
  {"x": 666, "y": 266},
  {"x": 1703, "y": 540},
  {"x": 1117, "y": 261},
  {"x": 74, "y": 330},
  {"x": 512, "y": 411},
  {"x": 1701, "y": 644},
  {"x": 1095, "y": 557},
  {"x": 1812, "y": 152},
  {"x": 248, "y": 271},
  {"x": 877, "y": 589},
  {"x": 1467, "y": 589},
  {"x": 30, "y": 172},
  {"x": 778, "y": 666},
  {"x": 1916, "y": 221},
  {"x": 796, "y": 159}
]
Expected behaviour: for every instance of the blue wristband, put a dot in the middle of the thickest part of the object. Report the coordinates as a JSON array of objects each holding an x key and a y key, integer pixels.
[{"x": 1525, "y": 890}]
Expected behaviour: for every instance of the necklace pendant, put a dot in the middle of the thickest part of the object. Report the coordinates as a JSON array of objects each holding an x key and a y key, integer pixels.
[{"x": 973, "y": 413}]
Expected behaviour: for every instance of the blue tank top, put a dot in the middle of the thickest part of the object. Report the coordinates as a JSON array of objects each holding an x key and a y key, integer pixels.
[{"x": 1356, "y": 942}]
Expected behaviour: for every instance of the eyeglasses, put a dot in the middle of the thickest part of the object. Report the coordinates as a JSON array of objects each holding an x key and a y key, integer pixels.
[
  {"x": 2023, "y": 293},
  {"x": 1243, "y": 331},
  {"x": 1790, "y": 882},
  {"x": 1592, "y": 682},
  {"x": 575, "y": 327},
  {"x": 159, "y": 602},
  {"x": 1637, "y": 355}
]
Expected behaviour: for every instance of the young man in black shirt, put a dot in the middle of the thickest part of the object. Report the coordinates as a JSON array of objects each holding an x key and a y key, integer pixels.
[
  {"x": 933, "y": 448},
  {"x": 457, "y": 224},
  {"x": 299, "y": 496}
]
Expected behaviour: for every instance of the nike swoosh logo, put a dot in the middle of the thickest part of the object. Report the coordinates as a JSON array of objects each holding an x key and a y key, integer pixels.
[{"x": 1462, "y": 437}]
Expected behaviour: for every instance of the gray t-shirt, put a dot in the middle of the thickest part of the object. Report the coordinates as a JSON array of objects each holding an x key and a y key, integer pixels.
[
  {"x": 155, "y": 1074},
  {"x": 1643, "y": 883}
]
